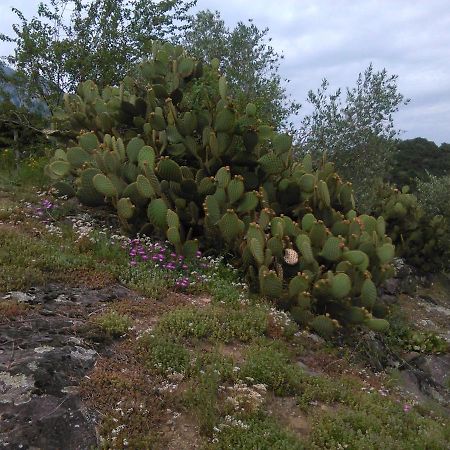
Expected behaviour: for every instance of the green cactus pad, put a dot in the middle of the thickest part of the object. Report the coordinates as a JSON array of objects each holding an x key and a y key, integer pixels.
[
  {"x": 104, "y": 185},
  {"x": 271, "y": 164},
  {"x": 173, "y": 220},
  {"x": 307, "y": 222},
  {"x": 225, "y": 120},
  {"x": 125, "y": 208},
  {"x": 60, "y": 168},
  {"x": 190, "y": 248},
  {"x": 144, "y": 187},
  {"x": 356, "y": 257},
  {"x": 212, "y": 209},
  {"x": 378, "y": 325},
  {"x": 88, "y": 141},
  {"x": 386, "y": 253},
  {"x": 356, "y": 315},
  {"x": 307, "y": 182},
  {"x": 307, "y": 163},
  {"x": 299, "y": 283},
  {"x": 250, "y": 109},
  {"x": 223, "y": 177},
  {"x": 64, "y": 189},
  {"x": 323, "y": 326},
  {"x": 77, "y": 156},
  {"x": 324, "y": 193},
  {"x": 368, "y": 293},
  {"x": 332, "y": 251},
  {"x": 235, "y": 189},
  {"x": 257, "y": 250},
  {"x": 275, "y": 244},
  {"x": 223, "y": 87},
  {"x": 157, "y": 122},
  {"x": 340, "y": 285},
  {"x": 272, "y": 285},
  {"x": 282, "y": 143},
  {"x": 111, "y": 161},
  {"x": 277, "y": 227},
  {"x": 133, "y": 148},
  {"x": 318, "y": 234},
  {"x": 186, "y": 67},
  {"x": 231, "y": 226},
  {"x": 304, "y": 245},
  {"x": 169, "y": 170},
  {"x": 302, "y": 316},
  {"x": 146, "y": 157},
  {"x": 157, "y": 213},
  {"x": 173, "y": 235},
  {"x": 207, "y": 186},
  {"x": 248, "y": 203}
]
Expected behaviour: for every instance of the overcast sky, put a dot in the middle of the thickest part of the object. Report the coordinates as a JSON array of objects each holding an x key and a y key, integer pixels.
[{"x": 337, "y": 39}]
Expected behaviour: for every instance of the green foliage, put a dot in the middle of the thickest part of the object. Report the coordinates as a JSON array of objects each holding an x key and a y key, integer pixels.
[
  {"x": 357, "y": 132},
  {"x": 189, "y": 167},
  {"x": 374, "y": 422},
  {"x": 71, "y": 41},
  {"x": 114, "y": 324},
  {"x": 432, "y": 195},
  {"x": 423, "y": 239},
  {"x": 202, "y": 398},
  {"x": 216, "y": 323},
  {"x": 415, "y": 160},
  {"x": 249, "y": 62},
  {"x": 265, "y": 364},
  {"x": 261, "y": 432},
  {"x": 163, "y": 354}
]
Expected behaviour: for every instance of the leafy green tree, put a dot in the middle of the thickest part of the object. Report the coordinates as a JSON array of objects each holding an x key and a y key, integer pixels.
[
  {"x": 356, "y": 131},
  {"x": 418, "y": 159},
  {"x": 249, "y": 61},
  {"x": 70, "y": 41}
]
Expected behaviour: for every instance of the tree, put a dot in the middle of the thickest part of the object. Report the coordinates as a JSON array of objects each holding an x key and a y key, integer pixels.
[
  {"x": 418, "y": 159},
  {"x": 70, "y": 41},
  {"x": 357, "y": 132},
  {"x": 247, "y": 59}
]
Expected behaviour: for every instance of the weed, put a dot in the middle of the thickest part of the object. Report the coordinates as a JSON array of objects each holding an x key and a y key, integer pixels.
[
  {"x": 376, "y": 422},
  {"x": 202, "y": 399},
  {"x": 216, "y": 323},
  {"x": 10, "y": 309},
  {"x": 163, "y": 354},
  {"x": 257, "y": 431},
  {"x": 114, "y": 324},
  {"x": 270, "y": 366}
]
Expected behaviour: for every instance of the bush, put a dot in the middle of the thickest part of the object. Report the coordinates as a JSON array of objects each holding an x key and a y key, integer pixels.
[{"x": 420, "y": 236}]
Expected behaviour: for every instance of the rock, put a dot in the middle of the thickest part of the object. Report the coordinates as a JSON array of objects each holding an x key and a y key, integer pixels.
[
  {"x": 389, "y": 299},
  {"x": 21, "y": 297},
  {"x": 391, "y": 286},
  {"x": 43, "y": 357}
]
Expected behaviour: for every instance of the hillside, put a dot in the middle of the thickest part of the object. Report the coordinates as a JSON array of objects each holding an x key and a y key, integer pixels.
[{"x": 103, "y": 344}]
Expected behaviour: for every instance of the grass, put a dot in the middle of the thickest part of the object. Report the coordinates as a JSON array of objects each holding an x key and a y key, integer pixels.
[
  {"x": 113, "y": 324},
  {"x": 216, "y": 387},
  {"x": 216, "y": 323}
]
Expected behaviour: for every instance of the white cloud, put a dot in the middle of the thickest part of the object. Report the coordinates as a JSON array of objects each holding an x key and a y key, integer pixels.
[{"x": 337, "y": 39}]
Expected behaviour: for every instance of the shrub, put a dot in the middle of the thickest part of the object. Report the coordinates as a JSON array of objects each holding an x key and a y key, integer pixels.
[{"x": 421, "y": 237}]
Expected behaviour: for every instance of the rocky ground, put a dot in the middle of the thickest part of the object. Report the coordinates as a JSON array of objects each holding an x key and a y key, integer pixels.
[{"x": 66, "y": 383}]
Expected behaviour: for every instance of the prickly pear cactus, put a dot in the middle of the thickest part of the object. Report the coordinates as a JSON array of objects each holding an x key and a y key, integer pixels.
[
  {"x": 170, "y": 151},
  {"x": 420, "y": 239}
]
